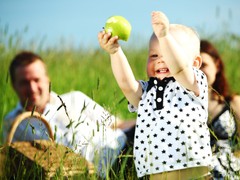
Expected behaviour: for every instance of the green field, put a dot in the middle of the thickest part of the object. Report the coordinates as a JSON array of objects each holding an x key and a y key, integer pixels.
[{"x": 88, "y": 69}]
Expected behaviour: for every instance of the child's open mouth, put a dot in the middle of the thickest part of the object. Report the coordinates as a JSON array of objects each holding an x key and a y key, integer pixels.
[{"x": 162, "y": 70}]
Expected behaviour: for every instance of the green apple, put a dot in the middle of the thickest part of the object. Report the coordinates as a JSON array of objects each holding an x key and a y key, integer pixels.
[{"x": 118, "y": 26}]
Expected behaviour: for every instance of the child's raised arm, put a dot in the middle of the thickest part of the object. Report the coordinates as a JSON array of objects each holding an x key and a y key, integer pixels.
[
  {"x": 179, "y": 59},
  {"x": 122, "y": 71}
]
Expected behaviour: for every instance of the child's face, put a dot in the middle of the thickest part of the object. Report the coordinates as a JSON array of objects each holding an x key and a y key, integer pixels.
[{"x": 156, "y": 66}]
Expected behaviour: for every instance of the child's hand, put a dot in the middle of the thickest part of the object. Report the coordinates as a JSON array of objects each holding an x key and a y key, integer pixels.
[
  {"x": 160, "y": 24},
  {"x": 107, "y": 43}
]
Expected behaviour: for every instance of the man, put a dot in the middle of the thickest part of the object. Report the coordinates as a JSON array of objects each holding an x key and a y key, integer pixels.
[{"x": 78, "y": 122}]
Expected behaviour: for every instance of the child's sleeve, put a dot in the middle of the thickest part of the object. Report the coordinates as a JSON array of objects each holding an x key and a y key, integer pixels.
[
  {"x": 144, "y": 85},
  {"x": 203, "y": 87}
]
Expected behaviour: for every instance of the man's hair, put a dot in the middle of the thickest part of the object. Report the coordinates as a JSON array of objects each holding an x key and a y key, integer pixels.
[{"x": 23, "y": 58}]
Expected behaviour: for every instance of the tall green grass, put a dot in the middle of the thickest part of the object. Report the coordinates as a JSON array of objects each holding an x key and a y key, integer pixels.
[{"x": 88, "y": 70}]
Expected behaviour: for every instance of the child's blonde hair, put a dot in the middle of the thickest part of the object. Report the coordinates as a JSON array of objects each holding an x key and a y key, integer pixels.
[{"x": 187, "y": 38}]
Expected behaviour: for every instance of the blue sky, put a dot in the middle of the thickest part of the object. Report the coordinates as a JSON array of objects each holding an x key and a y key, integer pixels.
[{"x": 78, "y": 21}]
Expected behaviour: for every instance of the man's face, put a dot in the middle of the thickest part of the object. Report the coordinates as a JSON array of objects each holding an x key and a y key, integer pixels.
[{"x": 32, "y": 85}]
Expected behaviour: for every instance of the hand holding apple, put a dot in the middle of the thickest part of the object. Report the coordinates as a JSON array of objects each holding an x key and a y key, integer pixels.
[
  {"x": 108, "y": 43},
  {"x": 118, "y": 26}
]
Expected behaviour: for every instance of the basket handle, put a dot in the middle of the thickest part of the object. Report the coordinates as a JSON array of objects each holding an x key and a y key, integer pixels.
[{"x": 23, "y": 117}]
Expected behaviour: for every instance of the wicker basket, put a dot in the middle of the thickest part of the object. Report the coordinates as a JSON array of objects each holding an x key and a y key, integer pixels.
[{"x": 40, "y": 159}]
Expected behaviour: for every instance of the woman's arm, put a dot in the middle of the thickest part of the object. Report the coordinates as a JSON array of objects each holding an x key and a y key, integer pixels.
[{"x": 235, "y": 105}]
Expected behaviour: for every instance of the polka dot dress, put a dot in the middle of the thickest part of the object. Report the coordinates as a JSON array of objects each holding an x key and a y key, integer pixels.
[{"x": 171, "y": 130}]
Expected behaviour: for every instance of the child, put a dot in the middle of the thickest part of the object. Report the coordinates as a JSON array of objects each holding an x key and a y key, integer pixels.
[{"x": 171, "y": 137}]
